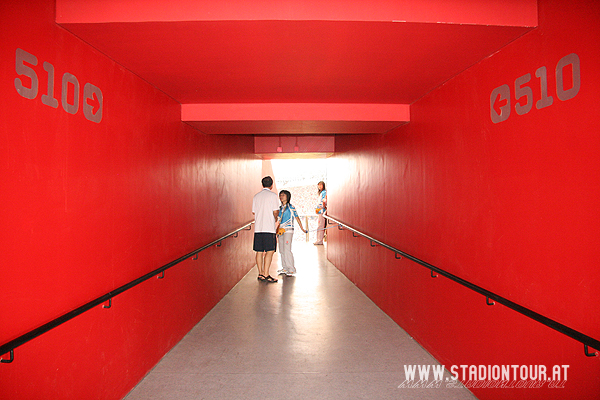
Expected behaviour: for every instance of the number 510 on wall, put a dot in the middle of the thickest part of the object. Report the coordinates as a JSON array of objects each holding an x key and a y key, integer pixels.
[
  {"x": 92, "y": 95},
  {"x": 501, "y": 94}
]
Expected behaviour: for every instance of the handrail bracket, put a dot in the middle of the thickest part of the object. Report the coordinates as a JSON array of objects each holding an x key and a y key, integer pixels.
[
  {"x": 11, "y": 359},
  {"x": 587, "y": 353},
  {"x": 109, "y": 304}
]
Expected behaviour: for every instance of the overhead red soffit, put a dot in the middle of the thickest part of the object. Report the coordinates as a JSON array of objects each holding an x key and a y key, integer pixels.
[
  {"x": 472, "y": 12},
  {"x": 303, "y": 66}
]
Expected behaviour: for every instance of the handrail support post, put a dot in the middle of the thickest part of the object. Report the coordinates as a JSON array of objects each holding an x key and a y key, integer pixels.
[
  {"x": 307, "y": 230},
  {"x": 587, "y": 353},
  {"x": 11, "y": 359}
]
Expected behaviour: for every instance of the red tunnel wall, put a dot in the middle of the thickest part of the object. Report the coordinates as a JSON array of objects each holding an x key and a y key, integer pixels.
[
  {"x": 87, "y": 206},
  {"x": 510, "y": 206}
]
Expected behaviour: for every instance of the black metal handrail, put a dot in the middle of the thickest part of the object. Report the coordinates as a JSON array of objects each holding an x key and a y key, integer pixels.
[
  {"x": 13, "y": 344},
  {"x": 580, "y": 337}
]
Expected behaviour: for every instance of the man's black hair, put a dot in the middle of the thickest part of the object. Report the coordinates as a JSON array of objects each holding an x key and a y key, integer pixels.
[{"x": 267, "y": 181}]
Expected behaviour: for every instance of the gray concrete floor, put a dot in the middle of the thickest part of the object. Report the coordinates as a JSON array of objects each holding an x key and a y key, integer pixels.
[{"x": 312, "y": 336}]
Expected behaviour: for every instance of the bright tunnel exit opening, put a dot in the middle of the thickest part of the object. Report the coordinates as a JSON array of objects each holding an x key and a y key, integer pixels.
[{"x": 300, "y": 177}]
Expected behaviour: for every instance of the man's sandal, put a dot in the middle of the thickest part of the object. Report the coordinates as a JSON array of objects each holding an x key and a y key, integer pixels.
[
  {"x": 270, "y": 279},
  {"x": 262, "y": 278}
]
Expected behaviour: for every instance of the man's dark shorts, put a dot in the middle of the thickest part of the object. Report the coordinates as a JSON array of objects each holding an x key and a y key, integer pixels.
[{"x": 264, "y": 241}]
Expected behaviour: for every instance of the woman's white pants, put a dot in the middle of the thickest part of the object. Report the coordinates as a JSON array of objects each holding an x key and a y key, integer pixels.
[
  {"x": 285, "y": 252},
  {"x": 320, "y": 229}
]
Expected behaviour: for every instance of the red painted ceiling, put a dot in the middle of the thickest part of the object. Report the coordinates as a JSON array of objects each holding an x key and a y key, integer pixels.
[{"x": 336, "y": 53}]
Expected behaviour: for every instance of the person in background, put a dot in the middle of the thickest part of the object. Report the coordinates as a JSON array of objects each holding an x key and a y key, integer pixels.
[
  {"x": 320, "y": 210},
  {"x": 285, "y": 232},
  {"x": 265, "y": 207}
]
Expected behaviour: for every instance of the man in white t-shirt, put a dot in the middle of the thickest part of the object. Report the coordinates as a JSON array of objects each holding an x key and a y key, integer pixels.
[{"x": 265, "y": 207}]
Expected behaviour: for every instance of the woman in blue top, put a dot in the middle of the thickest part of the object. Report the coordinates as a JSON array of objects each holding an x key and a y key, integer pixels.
[
  {"x": 285, "y": 232},
  {"x": 320, "y": 210}
]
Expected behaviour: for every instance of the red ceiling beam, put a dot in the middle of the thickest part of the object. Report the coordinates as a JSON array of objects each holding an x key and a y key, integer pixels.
[
  {"x": 474, "y": 12},
  {"x": 295, "y": 112},
  {"x": 304, "y": 127},
  {"x": 295, "y": 118}
]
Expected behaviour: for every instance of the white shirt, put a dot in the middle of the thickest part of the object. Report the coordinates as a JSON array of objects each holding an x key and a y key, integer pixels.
[{"x": 263, "y": 205}]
